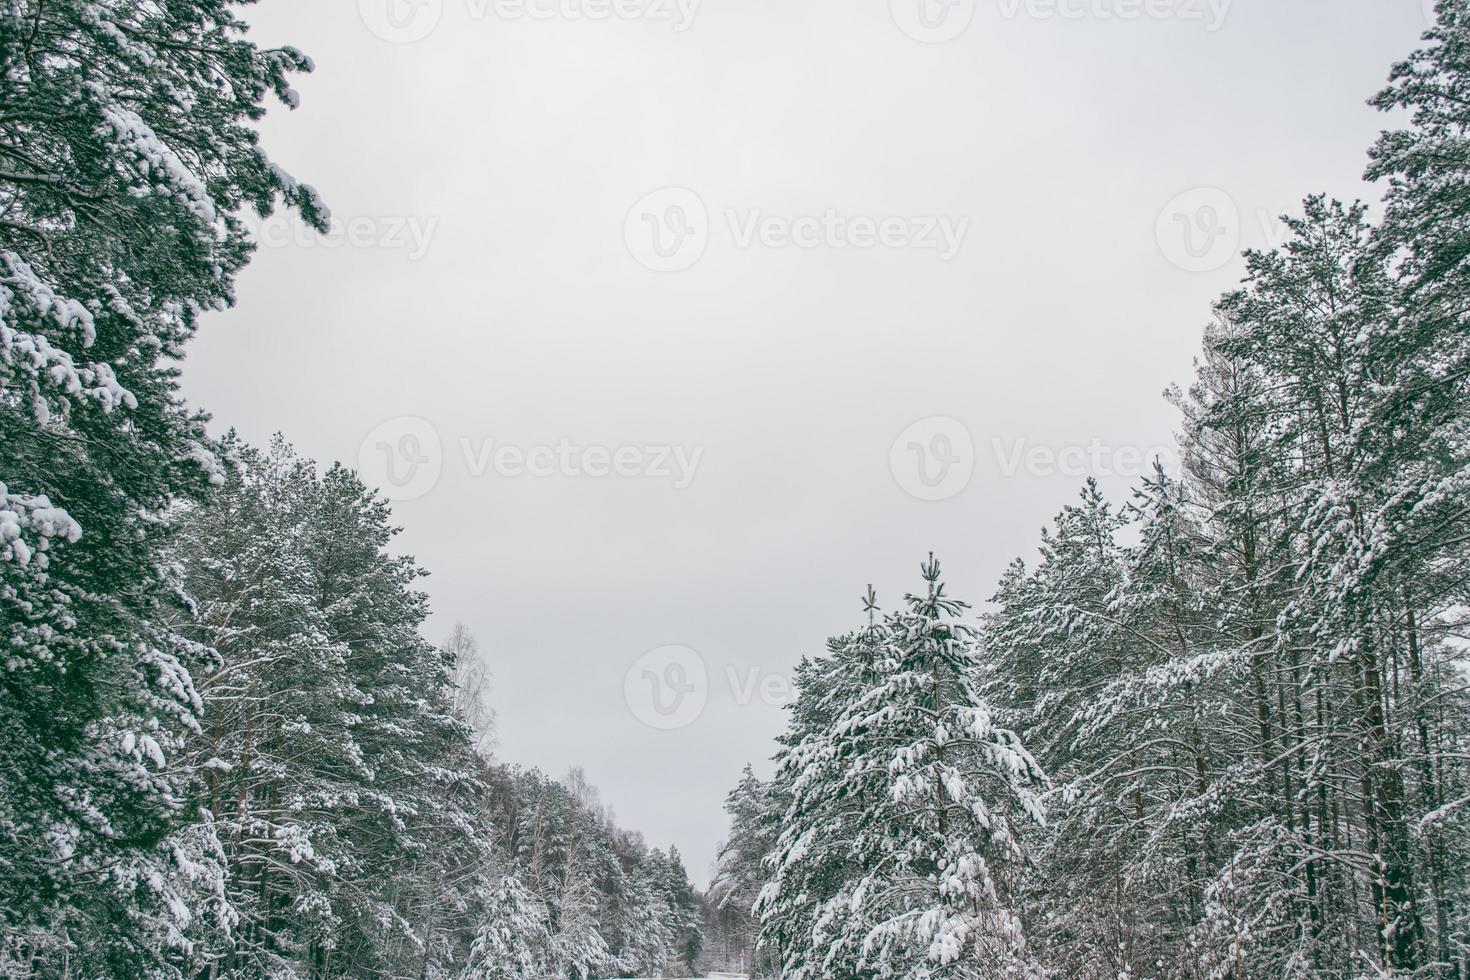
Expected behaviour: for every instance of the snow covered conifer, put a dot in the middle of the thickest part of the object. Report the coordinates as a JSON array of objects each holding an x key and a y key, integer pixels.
[
  {"x": 816, "y": 816},
  {"x": 127, "y": 152},
  {"x": 939, "y": 795},
  {"x": 742, "y": 869},
  {"x": 514, "y": 942},
  {"x": 580, "y": 951}
]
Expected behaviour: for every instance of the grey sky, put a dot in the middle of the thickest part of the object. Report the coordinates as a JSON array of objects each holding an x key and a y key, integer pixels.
[{"x": 493, "y": 280}]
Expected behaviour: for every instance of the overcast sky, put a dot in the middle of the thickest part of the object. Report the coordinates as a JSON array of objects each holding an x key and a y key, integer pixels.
[{"x": 669, "y": 324}]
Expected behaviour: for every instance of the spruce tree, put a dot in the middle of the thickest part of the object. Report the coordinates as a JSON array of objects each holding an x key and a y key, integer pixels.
[{"x": 938, "y": 797}]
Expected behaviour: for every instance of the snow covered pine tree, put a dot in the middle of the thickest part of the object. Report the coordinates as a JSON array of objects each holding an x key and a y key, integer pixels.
[
  {"x": 127, "y": 151},
  {"x": 902, "y": 844}
]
